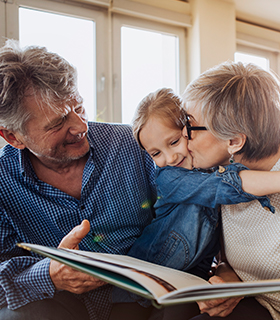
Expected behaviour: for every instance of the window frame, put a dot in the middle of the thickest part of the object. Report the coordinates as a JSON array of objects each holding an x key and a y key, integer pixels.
[
  {"x": 118, "y": 21},
  {"x": 261, "y": 41},
  {"x": 99, "y": 15},
  {"x": 146, "y": 15}
]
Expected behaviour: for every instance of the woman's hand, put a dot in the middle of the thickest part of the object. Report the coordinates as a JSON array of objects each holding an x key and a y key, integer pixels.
[
  {"x": 66, "y": 278},
  {"x": 221, "y": 307}
]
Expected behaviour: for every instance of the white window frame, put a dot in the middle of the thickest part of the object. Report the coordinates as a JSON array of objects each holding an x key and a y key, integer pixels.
[
  {"x": 171, "y": 17},
  {"x": 259, "y": 41},
  {"x": 97, "y": 14},
  {"x": 2, "y": 23},
  {"x": 122, "y": 20}
]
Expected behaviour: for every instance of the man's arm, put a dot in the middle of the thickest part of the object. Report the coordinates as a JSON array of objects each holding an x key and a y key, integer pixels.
[
  {"x": 31, "y": 280},
  {"x": 23, "y": 277}
]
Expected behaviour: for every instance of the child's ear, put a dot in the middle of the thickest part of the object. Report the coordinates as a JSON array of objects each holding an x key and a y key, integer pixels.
[
  {"x": 237, "y": 143},
  {"x": 11, "y": 138}
]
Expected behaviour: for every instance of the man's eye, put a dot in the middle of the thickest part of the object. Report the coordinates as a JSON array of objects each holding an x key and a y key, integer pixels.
[
  {"x": 59, "y": 124},
  {"x": 174, "y": 142},
  {"x": 79, "y": 109}
]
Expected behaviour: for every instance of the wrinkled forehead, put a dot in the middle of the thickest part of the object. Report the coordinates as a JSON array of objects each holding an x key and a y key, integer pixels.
[{"x": 42, "y": 110}]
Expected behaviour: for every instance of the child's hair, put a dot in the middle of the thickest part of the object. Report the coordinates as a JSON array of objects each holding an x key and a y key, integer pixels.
[{"x": 163, "y": 103}]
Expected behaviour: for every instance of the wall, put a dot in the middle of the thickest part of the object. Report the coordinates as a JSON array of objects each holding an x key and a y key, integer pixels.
[{"x": 212, "y": 37}]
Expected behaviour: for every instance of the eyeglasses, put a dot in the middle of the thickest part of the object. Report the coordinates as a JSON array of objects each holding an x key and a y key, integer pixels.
[{"x": 190, "y": 128}]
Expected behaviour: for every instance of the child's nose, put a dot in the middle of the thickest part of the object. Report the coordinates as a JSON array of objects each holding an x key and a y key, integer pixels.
[{"x": 171, "y": 158}]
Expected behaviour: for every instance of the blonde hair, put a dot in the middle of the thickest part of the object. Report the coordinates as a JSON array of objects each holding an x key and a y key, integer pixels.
[
  {"x": 163, "y": 103},
  {"x": 234, "y": 99}
]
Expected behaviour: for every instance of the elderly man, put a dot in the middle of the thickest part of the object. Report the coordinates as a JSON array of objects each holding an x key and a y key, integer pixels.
[{"x": 60, "y": 173}]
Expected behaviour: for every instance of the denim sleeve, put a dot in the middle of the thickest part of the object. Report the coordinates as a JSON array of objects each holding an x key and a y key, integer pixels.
[
  {"x": 222, "y": 186},
  {"x": 23, "y": 278}
]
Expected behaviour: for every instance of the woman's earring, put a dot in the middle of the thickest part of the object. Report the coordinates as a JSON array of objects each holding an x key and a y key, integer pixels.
[{"x": 231, "y": 159}]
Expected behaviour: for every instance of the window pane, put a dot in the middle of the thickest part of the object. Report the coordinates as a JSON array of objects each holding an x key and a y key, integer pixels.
[
  {"x": 149, "y": 61},
  {"x": 249, "y": 58},
  {"x": 72, "y": 38}
]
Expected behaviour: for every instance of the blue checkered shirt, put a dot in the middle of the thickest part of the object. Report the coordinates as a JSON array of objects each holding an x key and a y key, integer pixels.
[{"x": 117, "y": 192}]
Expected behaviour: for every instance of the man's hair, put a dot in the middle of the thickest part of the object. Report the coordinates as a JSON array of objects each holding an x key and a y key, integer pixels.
[
  {"x": 164, "y": 104},
  {"x": 237, "y": 98},
  {"x": 32, "y": 71}
]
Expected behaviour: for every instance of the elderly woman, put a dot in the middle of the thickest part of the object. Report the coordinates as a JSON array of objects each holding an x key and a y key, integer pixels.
[{"x": 234, "y": 115}]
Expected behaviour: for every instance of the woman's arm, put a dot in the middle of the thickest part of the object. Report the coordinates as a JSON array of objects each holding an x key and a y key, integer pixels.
[
  {"x": 223, "y": 273},
  {"x": 260, "y": 183},
  {"x": 221, "y": 307}
]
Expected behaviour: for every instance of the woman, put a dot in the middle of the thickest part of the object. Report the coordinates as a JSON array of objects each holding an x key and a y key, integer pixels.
[{"x": 239, "y": 105}]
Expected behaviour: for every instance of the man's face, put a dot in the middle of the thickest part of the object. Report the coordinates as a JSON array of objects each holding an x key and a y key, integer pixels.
[{"x": 56, "y": 137}]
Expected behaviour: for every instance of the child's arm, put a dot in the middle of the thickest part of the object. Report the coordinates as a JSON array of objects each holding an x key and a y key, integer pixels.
[
  {"x": 223, "y": 186},
  {"x": 260, "y": 183}
]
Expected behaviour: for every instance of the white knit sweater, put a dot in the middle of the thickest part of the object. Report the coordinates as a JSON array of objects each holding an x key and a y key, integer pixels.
[{"x": 252, "y": 244}]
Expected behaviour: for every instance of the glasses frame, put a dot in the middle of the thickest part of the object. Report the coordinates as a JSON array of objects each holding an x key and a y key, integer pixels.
[{"x": 193, "y": 128}]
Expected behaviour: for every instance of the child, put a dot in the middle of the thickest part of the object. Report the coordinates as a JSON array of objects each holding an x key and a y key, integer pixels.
[{"x": 185, "y": 232}]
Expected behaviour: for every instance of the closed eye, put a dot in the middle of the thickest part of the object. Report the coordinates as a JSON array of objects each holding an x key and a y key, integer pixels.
[
  {"x": 60, "y": 123},
  {"x": 155, "y": 154},
  {"x": 174, "y": 142},
  {"x": 79, "y": 109}
]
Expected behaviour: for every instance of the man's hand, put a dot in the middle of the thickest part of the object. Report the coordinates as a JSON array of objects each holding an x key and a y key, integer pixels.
[
  {"x": 66, "y": 278},
  {"x": 221, "y": 307}
]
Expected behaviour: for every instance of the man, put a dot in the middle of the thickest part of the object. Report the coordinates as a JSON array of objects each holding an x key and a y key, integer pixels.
[{"x": 58, "y": 171}]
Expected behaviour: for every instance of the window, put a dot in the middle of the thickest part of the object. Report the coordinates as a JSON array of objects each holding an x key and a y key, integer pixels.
[
  {"x": 150, "y": 59},
  {"x": 258, "y": 45},
  {"x": 250, "y": 58},
  {"x": 72, "y": 38},
  {"x": 114, "y": 53}
]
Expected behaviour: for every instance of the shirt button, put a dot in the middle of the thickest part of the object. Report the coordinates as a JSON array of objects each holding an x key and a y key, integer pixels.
[
  {"x": 221, "y": 169},
  {"x": 83, "y": 207}
]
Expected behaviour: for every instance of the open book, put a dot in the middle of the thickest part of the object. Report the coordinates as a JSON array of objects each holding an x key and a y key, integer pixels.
[{"x": 164, "y": 286}]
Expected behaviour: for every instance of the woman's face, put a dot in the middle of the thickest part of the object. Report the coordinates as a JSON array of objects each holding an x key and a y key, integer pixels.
[{"x": 206, "y": 150}]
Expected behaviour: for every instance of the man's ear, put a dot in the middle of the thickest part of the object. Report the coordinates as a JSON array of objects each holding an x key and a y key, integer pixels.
[
  {"x": 11, "y": 138},
  {"x": 237, "y": 143}
]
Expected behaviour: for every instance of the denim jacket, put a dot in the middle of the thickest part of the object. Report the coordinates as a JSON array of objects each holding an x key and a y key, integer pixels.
[{"x": 185, "y": 233}]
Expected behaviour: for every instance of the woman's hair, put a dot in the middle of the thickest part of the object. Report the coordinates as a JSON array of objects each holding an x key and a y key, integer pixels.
[
  {"x": 32, "y": 71},
  {"x": 164, "y": 104},
  {"x": 235, "y": 99}
]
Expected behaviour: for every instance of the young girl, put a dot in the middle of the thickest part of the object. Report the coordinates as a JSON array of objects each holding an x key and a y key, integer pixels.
[{"x": 185, "y": 232}]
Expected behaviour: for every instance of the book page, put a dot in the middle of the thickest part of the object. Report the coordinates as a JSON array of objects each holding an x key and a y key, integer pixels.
[
  {"x": 164, "y": 279},
  {"x": 165, "y": 285}
]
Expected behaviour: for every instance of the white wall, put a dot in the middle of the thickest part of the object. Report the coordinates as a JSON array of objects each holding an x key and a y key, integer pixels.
[{"x": 212, "y": 37}]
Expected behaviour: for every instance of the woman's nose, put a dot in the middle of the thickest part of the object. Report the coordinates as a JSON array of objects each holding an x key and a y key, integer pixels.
[{"x": 185, "y": 132}]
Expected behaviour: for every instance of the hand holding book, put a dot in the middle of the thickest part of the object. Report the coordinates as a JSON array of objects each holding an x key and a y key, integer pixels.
[{"x": 146, "y": 279}]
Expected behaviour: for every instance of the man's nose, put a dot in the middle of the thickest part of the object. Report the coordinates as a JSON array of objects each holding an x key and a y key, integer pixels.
[{"x": 77, "y": 124}]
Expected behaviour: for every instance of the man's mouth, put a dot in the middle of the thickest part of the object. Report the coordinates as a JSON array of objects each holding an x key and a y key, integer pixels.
[{"x": 76, "y": 140}]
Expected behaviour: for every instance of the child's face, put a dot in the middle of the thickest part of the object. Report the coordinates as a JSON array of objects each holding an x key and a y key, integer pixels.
[{"x": 165, "y": 143}]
